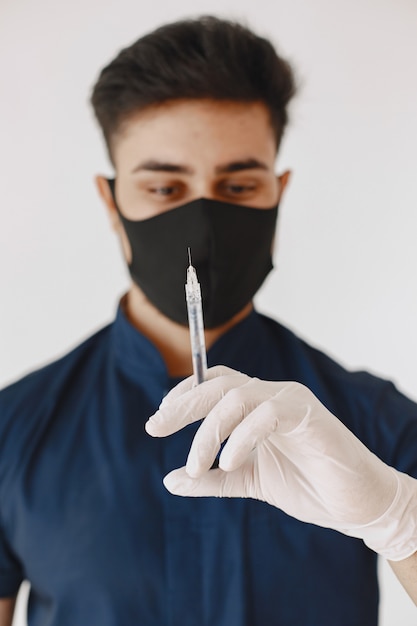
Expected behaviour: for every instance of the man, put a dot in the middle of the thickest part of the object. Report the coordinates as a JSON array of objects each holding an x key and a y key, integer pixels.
[{"x": 193, "y": 115}]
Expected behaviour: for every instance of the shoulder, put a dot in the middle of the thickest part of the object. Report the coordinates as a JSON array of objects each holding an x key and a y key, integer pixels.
[
  {"x": 313, "y": 367},
  {"x": 53, "y": 371},
  {"x": 23, "y": 401},
  {"x": 371, "y": 406}
]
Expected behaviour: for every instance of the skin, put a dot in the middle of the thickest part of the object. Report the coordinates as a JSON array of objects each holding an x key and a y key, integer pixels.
[
  {"x": 160, "y": 164},
  {"x": 406, "y": 572},
  {"x": 6, "y": 611}
]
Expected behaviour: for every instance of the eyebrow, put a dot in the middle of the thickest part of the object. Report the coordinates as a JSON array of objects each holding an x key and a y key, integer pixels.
[
  {"x": 238, "y": 166},
  {"x": 161, "y": 166},
  {"x": 228, "y": 168}
]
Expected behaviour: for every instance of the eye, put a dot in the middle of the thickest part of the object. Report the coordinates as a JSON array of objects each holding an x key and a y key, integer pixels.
[
  {"x": 238, "y": 188},
  {"x": 164, "y": 190}
]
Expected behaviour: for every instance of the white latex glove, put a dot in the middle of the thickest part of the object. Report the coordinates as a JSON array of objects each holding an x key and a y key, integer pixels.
[{"x": 287, "y": 449}]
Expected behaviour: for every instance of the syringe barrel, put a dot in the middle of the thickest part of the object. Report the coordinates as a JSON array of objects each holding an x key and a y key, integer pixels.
[{"x": 198, "y": 347}]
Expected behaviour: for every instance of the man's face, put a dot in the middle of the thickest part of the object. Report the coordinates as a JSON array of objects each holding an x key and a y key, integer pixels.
[{"x": 182, "y": 150}]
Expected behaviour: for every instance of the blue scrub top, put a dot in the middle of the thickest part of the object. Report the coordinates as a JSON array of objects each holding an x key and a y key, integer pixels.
[{"x": 85, "y": 518}]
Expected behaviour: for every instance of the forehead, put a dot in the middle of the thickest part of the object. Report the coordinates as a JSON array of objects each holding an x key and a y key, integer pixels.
[{"x": 198, "y": 132}]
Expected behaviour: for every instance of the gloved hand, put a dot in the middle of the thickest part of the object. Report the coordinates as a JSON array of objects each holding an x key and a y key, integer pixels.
[{"x": 287, "y": 449}]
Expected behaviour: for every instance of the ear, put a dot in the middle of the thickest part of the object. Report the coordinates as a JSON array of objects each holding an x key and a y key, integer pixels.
[
  {"x": 283, "y": 180},
  {"x": 104, "y": 191},
  {"x": 106, "y": 195}
]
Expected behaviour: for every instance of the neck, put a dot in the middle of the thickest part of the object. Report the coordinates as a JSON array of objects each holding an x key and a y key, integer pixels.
[{"x": 171, "y": 339}]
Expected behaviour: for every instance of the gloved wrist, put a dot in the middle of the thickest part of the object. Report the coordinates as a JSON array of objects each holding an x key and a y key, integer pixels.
[{"x": 394, "y": 534}]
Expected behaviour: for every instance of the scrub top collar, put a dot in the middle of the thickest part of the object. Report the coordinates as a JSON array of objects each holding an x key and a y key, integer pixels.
[
  {"x": 138, "y": 356},
  {"x": 134, "y": 352}
]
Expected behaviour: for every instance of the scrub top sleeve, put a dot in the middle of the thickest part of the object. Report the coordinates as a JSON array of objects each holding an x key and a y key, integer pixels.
[
  {"x": 11, "y": 574},
  {"x": 396, "y": 430}
]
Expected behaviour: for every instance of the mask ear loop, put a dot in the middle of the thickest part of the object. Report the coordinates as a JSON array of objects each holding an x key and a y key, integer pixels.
[{"x": 112, "y": 185}]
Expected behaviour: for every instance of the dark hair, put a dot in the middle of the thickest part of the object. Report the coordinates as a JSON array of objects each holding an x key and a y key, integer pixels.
[{"x": 198, "y": 58}]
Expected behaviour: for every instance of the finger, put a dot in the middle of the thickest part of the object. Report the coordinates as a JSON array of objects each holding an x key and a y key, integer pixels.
[
  {"x": 222, "y": 420},
  {"x": 189, "y": 383},
  {"x": 248, "y": 435},
  {"x": 213, "y": 483},
  {"x": 281, "y": 413},
  {"x": 192, "y": 405}
]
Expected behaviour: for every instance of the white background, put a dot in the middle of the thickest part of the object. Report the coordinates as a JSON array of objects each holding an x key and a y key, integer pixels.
[{"x": 346, "y": 254}]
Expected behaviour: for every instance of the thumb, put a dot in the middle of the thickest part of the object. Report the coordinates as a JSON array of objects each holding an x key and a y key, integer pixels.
[{"x": 215, "y": 482}]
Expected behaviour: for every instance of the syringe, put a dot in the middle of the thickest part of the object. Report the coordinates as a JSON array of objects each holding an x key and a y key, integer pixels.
[{"x": 195, "y": 321}]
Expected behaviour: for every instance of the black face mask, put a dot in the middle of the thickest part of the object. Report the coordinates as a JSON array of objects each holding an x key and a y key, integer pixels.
[{"x": 230, "y": 248}]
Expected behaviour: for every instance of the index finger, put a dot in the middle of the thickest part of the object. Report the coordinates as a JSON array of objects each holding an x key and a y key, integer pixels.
[
  {"x": 192, "y": 405},
  {"x": 189, "y": 383}
]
